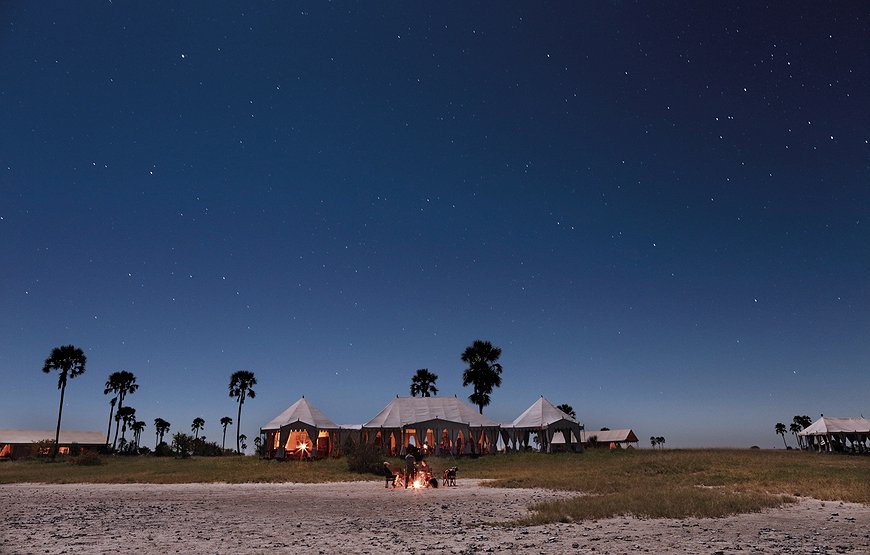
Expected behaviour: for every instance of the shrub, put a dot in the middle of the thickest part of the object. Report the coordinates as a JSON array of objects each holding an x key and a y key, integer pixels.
[
  {"x": 75, "y": 449},
  {"x": 87, "y": 458},
  {"x": 182, "y": 444},
  {"x": 163, "y": 450},
  {"x": 364, "y": 459}
]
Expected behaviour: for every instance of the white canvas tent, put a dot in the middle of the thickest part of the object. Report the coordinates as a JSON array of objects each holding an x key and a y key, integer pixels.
[
  {"x": 831, "y": 434},
  {"x": 554, "y": 428},
  {"x": 442, "y": 425},
  {"x": 301, "y": 431}
]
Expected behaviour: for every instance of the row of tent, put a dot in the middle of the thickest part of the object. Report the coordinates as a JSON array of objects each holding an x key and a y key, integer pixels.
[
  {"x": 838, "y": 434},
  {"x": 437, "y": 425}
]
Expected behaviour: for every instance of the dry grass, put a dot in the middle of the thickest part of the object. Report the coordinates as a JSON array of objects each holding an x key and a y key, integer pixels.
[
  {"x": 644, "y": 483},
  {"x": 168, "y": 470},
  {"x": 678, "y": 483}
]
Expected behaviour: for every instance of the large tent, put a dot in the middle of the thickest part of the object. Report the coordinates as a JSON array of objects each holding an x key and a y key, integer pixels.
[
  {"x": 301, "y": 431},
  {"x": 554, "y": 429},
  {"x": 831, "y": 434},
  {"x": 441, "y": 425},
  {"x": 22, "y": 443}
]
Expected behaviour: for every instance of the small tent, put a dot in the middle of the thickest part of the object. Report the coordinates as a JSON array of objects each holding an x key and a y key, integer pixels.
[
  {"x": 555, "y": 429},
  {"x": 831, "y": 434},
  {"x": 301, "y": 431},
  {"x": 622, "y": 438},
  {"x": 441, "y": 425}
]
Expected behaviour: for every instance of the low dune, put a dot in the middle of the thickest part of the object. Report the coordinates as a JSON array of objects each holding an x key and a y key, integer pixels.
[{"x": 364, "y": 517}]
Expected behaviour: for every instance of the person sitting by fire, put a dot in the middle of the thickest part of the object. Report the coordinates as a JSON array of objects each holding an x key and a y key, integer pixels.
[{"x": 389, "y": 475}]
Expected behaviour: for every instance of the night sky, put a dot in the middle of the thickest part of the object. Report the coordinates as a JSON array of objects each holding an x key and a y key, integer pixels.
[{"x": 659, "y": 211}]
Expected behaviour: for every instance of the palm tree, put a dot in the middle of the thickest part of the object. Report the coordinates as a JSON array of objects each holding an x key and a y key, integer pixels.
[
  {"x": 70, "y": 362},
  {"x": 111, "y": 413},
  {"x": 122, "y": 383},
  {"x": 240, "y": 387},
  {"x": 423, "y": 383},
  {"x": 225, "y": 421},
  {"x": 661, "y": 441},
  {"x": 137, "y": 428},
  {"x": 197, "y": 425},
  {"x": 653, "y": 441},
  {"x": 125, "y": 416},
  {"x": 161, "y": 426},
  {"x": 567, "y": 409},
  {"x": 483, "y": 372},
  {"x": 780, "y": 429},
  {"x": 794, "y": 428},
  {"x": 243, "y": 438}
]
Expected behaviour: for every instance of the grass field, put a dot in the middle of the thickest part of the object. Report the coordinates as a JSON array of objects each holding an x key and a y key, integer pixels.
[{"x": 645, "y": 483}]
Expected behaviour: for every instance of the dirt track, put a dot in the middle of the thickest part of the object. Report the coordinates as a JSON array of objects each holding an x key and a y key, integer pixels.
[{"x": 363, "y": 517}]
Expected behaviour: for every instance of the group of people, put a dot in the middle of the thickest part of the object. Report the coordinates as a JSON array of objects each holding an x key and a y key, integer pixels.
[{"x": 413, "y": 472}]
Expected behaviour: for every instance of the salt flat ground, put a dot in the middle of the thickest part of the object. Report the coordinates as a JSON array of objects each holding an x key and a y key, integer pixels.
[{"x": 364, "y": 517}]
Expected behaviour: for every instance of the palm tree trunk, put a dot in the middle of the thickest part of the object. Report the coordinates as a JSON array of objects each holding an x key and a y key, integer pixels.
[
  {"x": 59, "y": 413},
  {"x": 239, "y": 423},
  {"x": 783, "y": 441},
  {"x": 224, "y": 442},
  {"x": 117, "y": 422},
  {"x": 109, "y": 431}
]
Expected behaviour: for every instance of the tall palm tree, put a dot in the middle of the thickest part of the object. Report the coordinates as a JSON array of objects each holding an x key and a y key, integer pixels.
[
  {"x": 70, "y": 362},
  {"x": 483, "y": 372},
  {"x": 241, "y": 383},
  {"x": 121, "y": 382},
  {"x": 125, "y": 416},
  {"x": 423, "y": 383},
  {"x": 795, "y": 428},
  {"x": 161, "y": 426},
  {"x": 111, "y": 413},
  {"x": 780, "y": 429},
  {"x": 660, "y": 440},
  {"x": 137, "y": 428},
  {"x": 197, "y": 425},
  {"x": 653, "y": 441},
  {"x": 225, "y": 421},
  {"x": 567, "y": 409}
]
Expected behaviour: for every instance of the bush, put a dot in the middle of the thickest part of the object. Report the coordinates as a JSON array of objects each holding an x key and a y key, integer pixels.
[
  {"x": 87, "y": 457},
  {"x": 182, "y": 444},
  {"x": 163, "y": 450},
  {"x": 364, "y": 459}
]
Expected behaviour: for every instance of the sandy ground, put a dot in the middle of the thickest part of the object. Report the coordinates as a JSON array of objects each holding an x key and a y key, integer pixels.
[{"x": 363, "y": 517}]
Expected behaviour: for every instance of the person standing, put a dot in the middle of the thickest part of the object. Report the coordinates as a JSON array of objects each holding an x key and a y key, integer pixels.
[{"x": 410, "y": 469}]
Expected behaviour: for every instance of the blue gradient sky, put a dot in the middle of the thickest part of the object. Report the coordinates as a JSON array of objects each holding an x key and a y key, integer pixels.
[{"x": 660, "y": 212}]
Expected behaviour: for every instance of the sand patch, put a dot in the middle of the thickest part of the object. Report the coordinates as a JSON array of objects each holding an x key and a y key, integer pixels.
[{"x": 363, "y": 517}]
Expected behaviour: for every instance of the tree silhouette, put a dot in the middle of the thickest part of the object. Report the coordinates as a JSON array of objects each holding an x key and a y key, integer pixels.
[
  {"x": 795, "y": 428},
  {"x": 780, "y": 429},
  {"x": 197, "y": 425},
  {"x": 567, "y": 409},
  {"x": 137, "y": 428},
  {"x": 121, "y": 382},
  {"x": 241, "y": 383},
  {"x": 70, "y": 362},
  {"x": 243, "y": 438},
  {"x": 423, "y": 383},
  {"x": 125, "y": 416},
  {"x": 112, "y": 403},
  {"x": 653, "y": 441},
  {"x": 225, "y": 421},
  {"x": 660, "y": 440},
  {"x": 483, "y": 372},
  {"x": 161, "y": 427}
]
